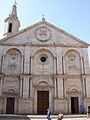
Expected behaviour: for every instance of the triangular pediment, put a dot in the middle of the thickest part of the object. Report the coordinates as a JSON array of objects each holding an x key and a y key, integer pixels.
[{"x": 43, "y": 33}]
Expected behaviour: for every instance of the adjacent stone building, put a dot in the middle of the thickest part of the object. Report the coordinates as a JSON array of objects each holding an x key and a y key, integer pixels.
[{"x": 42, "y": 66}]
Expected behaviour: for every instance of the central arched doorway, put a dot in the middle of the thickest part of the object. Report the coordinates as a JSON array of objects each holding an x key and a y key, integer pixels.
[
  {"x": 43, "y": 97},
  {"x": 42, "y": 102}
]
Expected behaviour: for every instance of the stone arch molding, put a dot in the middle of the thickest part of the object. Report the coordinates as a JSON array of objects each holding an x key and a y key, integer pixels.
[
  {"x": 43, "y": 82},
  {"x": 13, "y": 91},
  {"x": 64, "y": 53},
  {"x": 12, "y": 61},
  {"x": 40, "y": 49},
  {"x": 8, "y": 49},
  {"x": 73, "y": 89},
  {"x": 10, "y": 91}
]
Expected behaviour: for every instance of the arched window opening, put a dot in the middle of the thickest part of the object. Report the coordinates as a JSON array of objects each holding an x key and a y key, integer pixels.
[{"x": 10, "y": 27}]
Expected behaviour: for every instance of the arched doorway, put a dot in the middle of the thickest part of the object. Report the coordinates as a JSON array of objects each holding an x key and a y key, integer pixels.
[
  {"x": 74, "y": 105},
  {"x": 43, "y": 96},
  {"x": 42, "y": 102},
  {"x": 10, "y": 98},
  {"x": 74, "y": 95},
  {"x": 10, "y": 105}
]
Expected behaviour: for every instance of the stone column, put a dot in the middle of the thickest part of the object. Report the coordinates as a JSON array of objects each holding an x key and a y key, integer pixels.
[
  {"x": 22, "y": 65},
  {"x": 60, "y": 88},
  {"x": 26, "y": 60},
  {"x": 31, "y": 89},
  {"x": 32, "y": 58},
  {"x": 21, "y": 87},
  {"x": 54, "y": 65},
  {"x": 85, "y": 87},
  {"x": 26, "y": 87},
  {"x": 63, "y": 58},
  {"x": 55, "y": 83},
  {"x": 82, "y": 84},
  {"x": 1, "y": 83},
  {"x": 63, "y": 88},
  {"x": 30, "y": 66},
  {"x": 2, "y": 65},
  {"x": 62, "y": 65},
  {"x": 0, "y": 86},
  {"x": 81, "y": 66}
]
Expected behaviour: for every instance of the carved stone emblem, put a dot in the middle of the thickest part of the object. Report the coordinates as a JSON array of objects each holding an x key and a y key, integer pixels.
[{"x": 43, "y": 34}]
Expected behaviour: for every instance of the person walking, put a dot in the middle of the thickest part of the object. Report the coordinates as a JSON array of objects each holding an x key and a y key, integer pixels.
[{"x": 49, "y": 113}]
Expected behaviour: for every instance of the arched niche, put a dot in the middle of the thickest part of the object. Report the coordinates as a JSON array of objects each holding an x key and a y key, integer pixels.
[
  {"x": 12, "y": 61},
  {"x": 72, "y": 62},
  {"x": 43, "y": 62}
]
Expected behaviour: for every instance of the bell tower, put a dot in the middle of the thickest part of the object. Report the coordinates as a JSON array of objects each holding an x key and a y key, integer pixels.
[{"x": 12, "y": 23}]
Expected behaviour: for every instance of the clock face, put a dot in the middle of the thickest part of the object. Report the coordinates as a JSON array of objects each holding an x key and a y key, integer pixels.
[{"x": 43, "y": 34}]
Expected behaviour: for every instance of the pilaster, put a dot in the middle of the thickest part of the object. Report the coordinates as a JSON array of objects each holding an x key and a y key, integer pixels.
[
  {"x": 26, "y": 87},
  {"x": 0, "y": 86},
  {"x": 21, "y": 88},
  {"x": 60, "y": 87},
  {"x": 55, "y": 84},
  {"x": 54, "y": 65}
]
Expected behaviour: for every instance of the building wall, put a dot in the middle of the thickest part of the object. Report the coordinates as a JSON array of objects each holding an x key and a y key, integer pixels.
[{"x": 65, "y": 73}]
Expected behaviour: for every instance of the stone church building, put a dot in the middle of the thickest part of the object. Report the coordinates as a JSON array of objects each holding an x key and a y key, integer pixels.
[{"x": 41, "y": 67}]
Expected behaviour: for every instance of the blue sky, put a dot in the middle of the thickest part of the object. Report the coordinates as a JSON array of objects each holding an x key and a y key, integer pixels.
[{"x": 73, "y": 16}]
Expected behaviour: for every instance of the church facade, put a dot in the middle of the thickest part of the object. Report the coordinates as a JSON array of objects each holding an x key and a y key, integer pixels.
[{"x": 41, "y": 67}]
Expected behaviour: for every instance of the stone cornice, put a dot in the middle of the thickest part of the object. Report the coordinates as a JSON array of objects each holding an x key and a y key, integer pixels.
[
  {"x": 42, "y": 45},
  {"x": 46, "y": 76},
  {"x": 55, "y": 76}
]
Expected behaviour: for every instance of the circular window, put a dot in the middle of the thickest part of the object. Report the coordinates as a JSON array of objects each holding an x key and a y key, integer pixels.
[{"x": 43, "y": 59}]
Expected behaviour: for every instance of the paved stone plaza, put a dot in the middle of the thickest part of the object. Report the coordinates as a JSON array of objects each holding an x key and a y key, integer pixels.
[
  {"x": 68, "y": 119},
  {"x": 72, "y": 118},
  {"x": 42, "y": 117}
]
